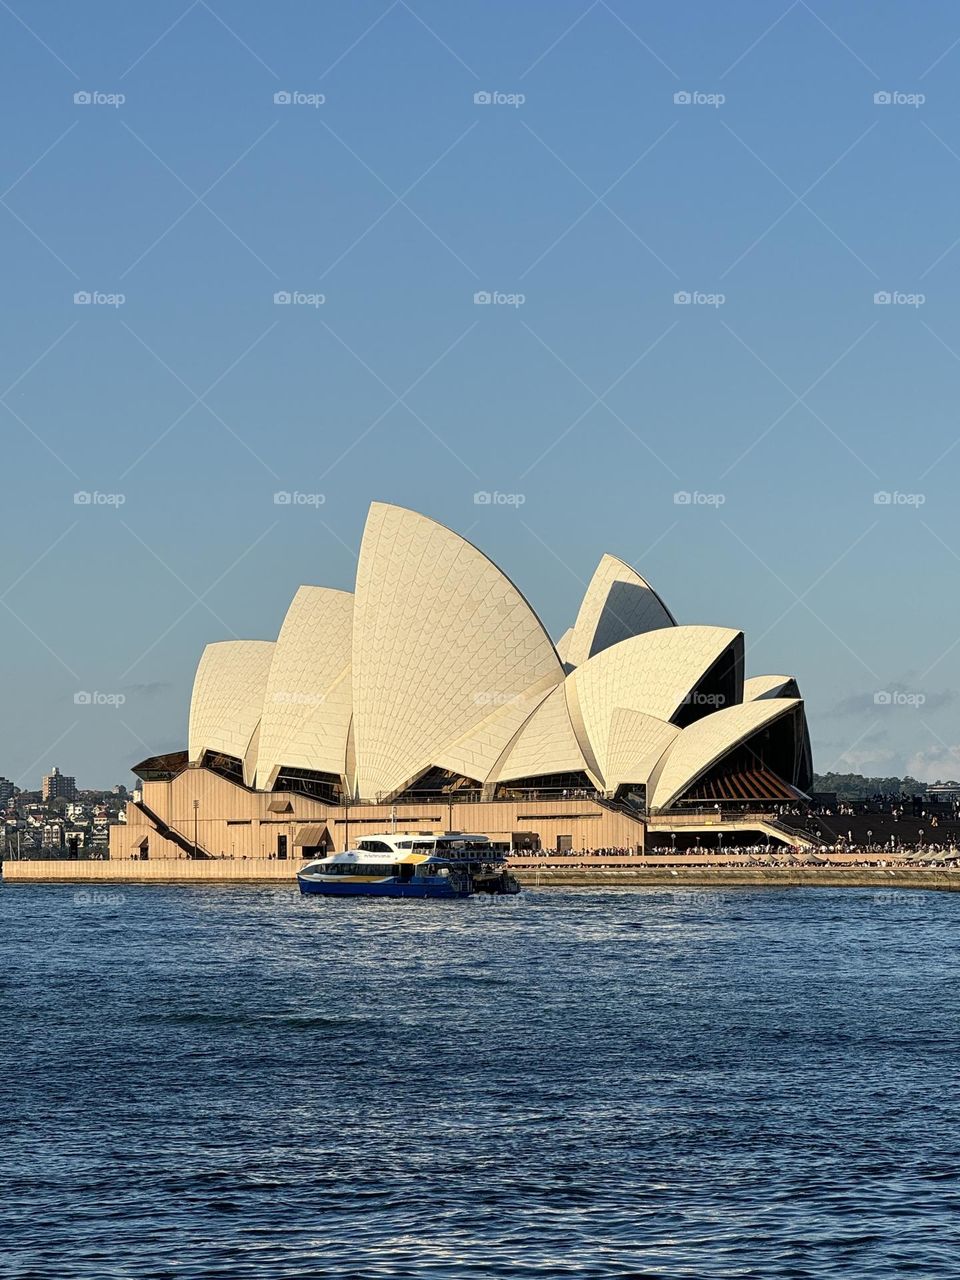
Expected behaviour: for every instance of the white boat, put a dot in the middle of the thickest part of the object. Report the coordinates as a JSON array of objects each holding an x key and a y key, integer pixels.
[{"x": 411, "y": 865}]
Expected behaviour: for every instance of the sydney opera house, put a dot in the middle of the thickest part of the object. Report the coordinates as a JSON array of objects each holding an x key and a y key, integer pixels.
[{"x": 431, "y": 698}]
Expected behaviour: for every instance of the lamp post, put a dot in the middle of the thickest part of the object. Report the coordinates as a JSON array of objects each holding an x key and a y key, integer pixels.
[{"x": 196, "y": 820}]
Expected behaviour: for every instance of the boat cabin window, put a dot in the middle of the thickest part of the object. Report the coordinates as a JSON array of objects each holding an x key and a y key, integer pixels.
[
  {"x": 373, "y": 869},
  {"x": 374, "y": 846}
]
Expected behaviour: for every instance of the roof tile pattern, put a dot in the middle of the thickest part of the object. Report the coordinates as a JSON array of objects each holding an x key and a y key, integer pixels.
[
  {"x": 652, "y": 673},
  {"x": 441, "y": 636},
  {"x": 476, "y": 753},
  {"x": 618, "y": 604},
  {"x": 635, "y": 743},
  {"x": 546, "y": 744},
  {"x": 228, "y": 696},
  {"x": 308, "y": 699}
]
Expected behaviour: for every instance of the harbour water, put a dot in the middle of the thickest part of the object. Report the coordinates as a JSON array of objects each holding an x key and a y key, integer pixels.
[{"x": 237, "y": 1082}]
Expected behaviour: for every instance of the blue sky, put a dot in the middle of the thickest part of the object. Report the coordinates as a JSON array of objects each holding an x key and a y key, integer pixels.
[{"x": 782, "y": 197}]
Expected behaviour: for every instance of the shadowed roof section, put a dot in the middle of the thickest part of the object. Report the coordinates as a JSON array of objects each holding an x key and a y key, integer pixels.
[
  {"x": 706, "y": 741},
  {"x": 618, "y": 604}
]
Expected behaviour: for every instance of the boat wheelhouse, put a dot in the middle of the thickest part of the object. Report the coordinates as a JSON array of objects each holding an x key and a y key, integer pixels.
[{"x": 411, "y": 865}]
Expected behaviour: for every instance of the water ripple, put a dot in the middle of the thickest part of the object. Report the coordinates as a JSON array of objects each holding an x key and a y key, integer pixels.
[{"x": 234, "y": 1082}]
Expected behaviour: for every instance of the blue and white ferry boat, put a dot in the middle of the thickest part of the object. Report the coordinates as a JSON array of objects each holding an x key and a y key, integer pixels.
[{"x": 401, "y": 865}]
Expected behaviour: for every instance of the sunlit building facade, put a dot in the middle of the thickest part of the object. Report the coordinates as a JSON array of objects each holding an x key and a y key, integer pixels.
[{"x": 432, "y": 698}]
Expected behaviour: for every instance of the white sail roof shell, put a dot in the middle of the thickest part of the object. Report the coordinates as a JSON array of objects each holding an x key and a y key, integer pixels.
[
  {"x": 767, "y": 687},
  {"x": 706, "y": 741},
  {"x": 442, "y": 639},
  {"x": 546, "y": 744},
  {"x": 635, "y": 743},
  {"x": 618, "y": 604},
  {"x": 308, "y": 699},
  {"x": 227, "y": 696},
  {"x": 652, "y": 673}
]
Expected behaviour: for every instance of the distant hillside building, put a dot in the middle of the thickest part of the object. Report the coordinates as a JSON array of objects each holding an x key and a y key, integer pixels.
[
  {"x": 57, "y": 786},
  {"x": 6, "y": 790}
]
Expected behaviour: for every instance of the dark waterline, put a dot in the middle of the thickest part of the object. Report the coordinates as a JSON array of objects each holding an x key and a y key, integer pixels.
[{"x": 236, "y": 1082}]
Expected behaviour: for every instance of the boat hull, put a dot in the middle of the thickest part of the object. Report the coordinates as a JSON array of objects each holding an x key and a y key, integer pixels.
[{"x": 379, "y": 889}]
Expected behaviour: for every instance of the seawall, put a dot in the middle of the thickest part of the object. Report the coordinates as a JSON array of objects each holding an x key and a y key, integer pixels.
[{"x": 263, "y": 871}]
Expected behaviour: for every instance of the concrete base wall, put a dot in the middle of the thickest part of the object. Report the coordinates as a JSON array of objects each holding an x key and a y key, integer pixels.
[
  {"x": 683, "y": 880},
  {"x": 157, "y": 871}
]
